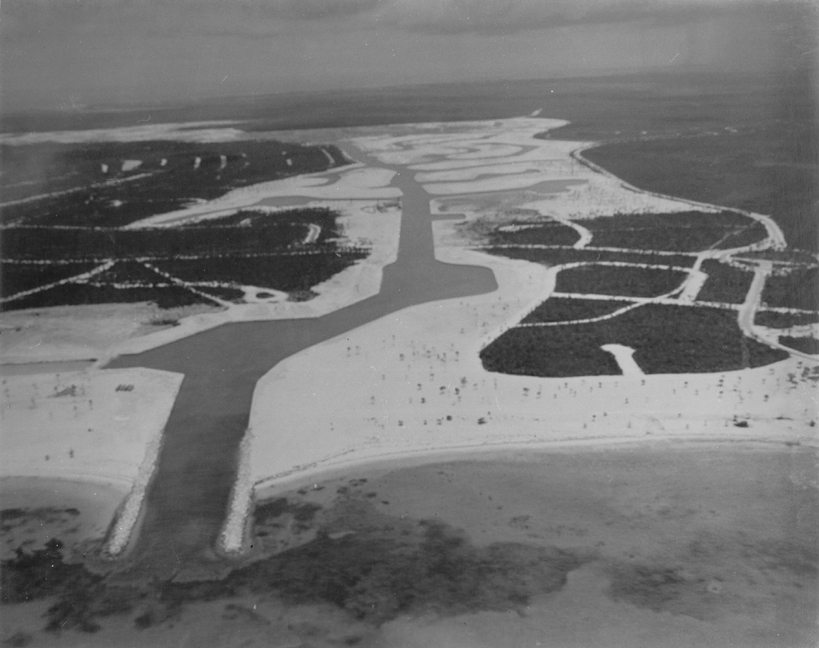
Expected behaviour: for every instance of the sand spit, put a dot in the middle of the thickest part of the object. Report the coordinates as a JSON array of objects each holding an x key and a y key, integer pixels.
[
  {"x": 204, "y": 131},
  {"x": 92, "y": 426}
]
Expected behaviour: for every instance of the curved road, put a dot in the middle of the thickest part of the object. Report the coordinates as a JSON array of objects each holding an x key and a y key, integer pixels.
[{"x": 188, "y": 497}]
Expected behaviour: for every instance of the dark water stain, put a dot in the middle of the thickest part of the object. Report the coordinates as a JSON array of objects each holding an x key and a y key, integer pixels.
[
  {"x": 717, "y": 574},
  {"x": 371, "y": 566}
]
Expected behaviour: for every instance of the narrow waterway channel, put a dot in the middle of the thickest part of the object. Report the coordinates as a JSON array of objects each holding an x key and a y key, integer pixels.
[{"x": 187, "y": 500}]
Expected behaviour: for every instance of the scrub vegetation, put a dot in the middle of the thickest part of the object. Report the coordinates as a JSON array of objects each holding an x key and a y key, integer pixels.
[
  {"x": 666, "y": 339},
  {"x": 173, "y": 266},
  {"x": 92, "y": 185},
  {"x": 797, "y": 288},
  {"x": 784, "y": 320},
  {"x": 680, "y": 232},
  {"x": 559, "y": 256},
  {"x": 627, "y": 281},
  {"x": 558, "y": 309},
  {"x": 725, "y": 283}
]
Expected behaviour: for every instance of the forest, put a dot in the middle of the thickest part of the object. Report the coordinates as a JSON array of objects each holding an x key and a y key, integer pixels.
[
  {"x": 798, "y": 288},
  {"x": 262, "y": 234},
  {"x": 627, "y": 281},
  {"x": 666, "y": 340},
  {"x": 246, "y": 248},
  {"x": 559, "y": 256},
  {"x": 562, "y": 309},
  {"x": 691, "y": 231},
  {"x": 92, "y": 185},
  {"x": 725, "y": 283}
]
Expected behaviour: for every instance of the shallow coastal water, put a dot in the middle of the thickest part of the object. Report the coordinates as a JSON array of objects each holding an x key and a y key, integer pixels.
[
  {"x": 36, "y": 510},
  {"x": 662, "y": 544}
]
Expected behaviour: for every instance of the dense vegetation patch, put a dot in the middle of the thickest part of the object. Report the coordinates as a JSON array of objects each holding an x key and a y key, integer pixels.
[
  {"x": 19, "y": 277},
  {"x": 559, "y": 256},
  {"x": 627, "y": 281},
  {"x": 725, "y": 283},
  {"x": 561, "y": 309},
  {"x": 94, "y": 187},
  {"x": 285, "y": 273},
  {"x": 677, "y": 232},
  {"x": 666, "y": 339},
  {"x": 797, "y": 289},
  {"x": 527, "y": 233},
  {"x": 808, "y": 345},
  {"x": 79, "y": 294},
  {"x": 263, "y": 233},
  {"x": 784, "y": 320},
  {"x": 249, "y": 247}
]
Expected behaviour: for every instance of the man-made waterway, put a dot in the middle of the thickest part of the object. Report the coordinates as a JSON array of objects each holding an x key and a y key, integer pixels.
[{"x": 187, "y": 500}]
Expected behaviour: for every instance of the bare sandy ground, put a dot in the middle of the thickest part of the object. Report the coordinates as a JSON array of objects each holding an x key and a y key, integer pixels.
[
  {"x": 64, "y": 333},
  {"x": 99, "y": 427}
]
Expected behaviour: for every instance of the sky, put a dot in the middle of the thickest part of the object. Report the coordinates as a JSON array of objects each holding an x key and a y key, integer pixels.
[{"x": 75, "y": 53}]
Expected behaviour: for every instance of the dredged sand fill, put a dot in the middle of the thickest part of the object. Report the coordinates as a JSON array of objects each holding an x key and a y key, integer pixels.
[{"x": 89, "y": 426}]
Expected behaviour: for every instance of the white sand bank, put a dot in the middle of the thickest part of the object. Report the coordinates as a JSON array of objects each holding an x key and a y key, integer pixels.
[
  {"x": 204, "y": 131},
  {"x": 353, "y": 183},
  {"x": 90, "y": 426}
]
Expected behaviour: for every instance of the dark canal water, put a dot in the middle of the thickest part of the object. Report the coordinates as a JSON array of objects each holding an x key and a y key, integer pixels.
[{"x": 187, "y": 500}]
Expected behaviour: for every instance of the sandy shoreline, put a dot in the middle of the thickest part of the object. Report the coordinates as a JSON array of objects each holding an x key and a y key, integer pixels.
[
  {"x": 100, "y": 427},
  {"x": 73, "y": 511}
]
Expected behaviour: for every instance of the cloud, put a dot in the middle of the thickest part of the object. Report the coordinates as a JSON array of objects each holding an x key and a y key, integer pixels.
[
  {"x": 315, "y": 9},
  {"x": 259, "y": 19},
  {"x": 510, "y": 16}
]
